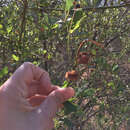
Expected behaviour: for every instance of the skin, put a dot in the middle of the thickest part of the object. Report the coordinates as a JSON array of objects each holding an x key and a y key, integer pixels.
[{"x": 28, "y": 100}]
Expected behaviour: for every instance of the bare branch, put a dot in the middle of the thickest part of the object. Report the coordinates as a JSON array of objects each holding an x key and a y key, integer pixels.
[
  {"x": 87, "y": 8},
  {"x": 23, "y": 19}
]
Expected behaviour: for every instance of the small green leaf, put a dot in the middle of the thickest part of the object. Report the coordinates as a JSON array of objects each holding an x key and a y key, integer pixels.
[
  {"x": 115, "y": 68},
  {"x": 4, "y": 71},
  {"x": 77, "y": 25},
  {"x": 1, "y": 26},
  {"x": 9, "y": 29},
  {"x": 35, "y": 63},
  {"x": 128, "y": 60},
  {"x": 69, "y": 107},
  {"x": 78, "y": 15},
  {"x": 93, "y": 52},
  {"x": 16, "y": 58},
  {"x": 46, "y": 17},
  {"x": 89, "y": 92},
  {"x": 67, "y": 122},
  {"x": 44, "y": 52},
  {"x": 49, "y": 56},
  {"x": 55, "y": 26},
  {"x": 102, "y": 106},
  {"x": 65, "y": 84},
  {"x": 111, "y": 84}
]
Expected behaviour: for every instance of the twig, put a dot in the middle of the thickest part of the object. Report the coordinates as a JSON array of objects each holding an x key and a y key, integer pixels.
[
  {"x": 93, "y": 114},
  {"x": 107, "y": 7},
  {"x": 88, "y": 40},
  {"x": 106, "y": 43},
  {"x": 23, "y": 19},
  {"x": 87, "y": 8}
]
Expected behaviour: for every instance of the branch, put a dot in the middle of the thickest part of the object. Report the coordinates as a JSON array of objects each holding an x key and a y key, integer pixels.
[
  {"x": 89, "y": 116},
  {"x": 106, "y": 43},
  {"x": 86, "y": 9},
  {"x": 23, "y": 19},
  {"x": 106, "y": 7}
]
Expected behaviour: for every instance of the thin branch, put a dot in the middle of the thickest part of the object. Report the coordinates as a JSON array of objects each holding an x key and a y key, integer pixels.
[
  {"x": 106, "y": 7},
  {"x": 91, "y": 115},
  {"x": 106, "y": 43},
  {"x": 87, "y": 8},
  {"x": 23, "y": 19}
]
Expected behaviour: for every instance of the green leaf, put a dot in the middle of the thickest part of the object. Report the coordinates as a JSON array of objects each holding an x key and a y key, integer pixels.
[
  {"x": 44, "y": 52},
  {"x": 115, "y": 67},
  {"x": 65, "y": 84},
  {"x": 1, "y": 26},
  {"x": 78, "y": 15},
  {"x": 102, "y": 106},
  {"x": 4, "y": 71},
  {"x": 56, "y": 25},
  {"x": 69, "y": 107},
  {"x": 69, "y": 4},
  {"x": 111, "y": 84},
  {"x": 16, "y": 58},
  {"x": 67, "y": 122},
  {"x": 128, "y": 60},
  {"x": 35, "y": 62},
  {"x": 77, "y": 25},
  {"x": 93, "y": 51},
  {"x": 89, "y": 92},
  {"x": 49, "y": 56},
  {"x": 102, "y": 62},
  {"x": 9, "y": 29},
  {"x": 46, "y": 17}
]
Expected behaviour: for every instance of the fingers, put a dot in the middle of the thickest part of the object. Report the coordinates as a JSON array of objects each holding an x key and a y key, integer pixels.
[
  {"x": 26, "y": 74},
  {"x": 53, "y": 102},
  {"x": 36, "y": 100}
]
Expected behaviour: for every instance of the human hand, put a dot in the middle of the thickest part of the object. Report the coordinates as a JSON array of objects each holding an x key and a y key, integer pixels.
[{"x": 28, "y": 100}]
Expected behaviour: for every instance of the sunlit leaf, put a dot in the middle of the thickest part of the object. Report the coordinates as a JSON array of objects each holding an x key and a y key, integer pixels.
[
  {"x": 1, "y": 26},
  {"x": 9, "y": 29},
  {"x": 69, "y": 4},
  {"x": 55, "y": 26},
  {"x": 16, "y": 58},
  {"x": 77, "y": 24},
  {"x": 93, "y": 52},
  {"x": 65, "y": 84},
  {"x": 111, "y": 84},
  {"x": 44, "y": 52},
  {"x": 49, "y": 56}
]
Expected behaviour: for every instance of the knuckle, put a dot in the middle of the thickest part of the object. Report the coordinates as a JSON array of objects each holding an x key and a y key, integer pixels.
[{"x": 26, "y": 64}]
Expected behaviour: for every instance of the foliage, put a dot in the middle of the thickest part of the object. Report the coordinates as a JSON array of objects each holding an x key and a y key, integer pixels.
[{"x": 48, "y": 33}]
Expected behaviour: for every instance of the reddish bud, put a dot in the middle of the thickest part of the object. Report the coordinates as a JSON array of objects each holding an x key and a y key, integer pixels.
[
  {"x": 74, "y": 3},
  {"x": 83, "y": 58},
  {"x": 72, "y": 75},
  {"x": 42, "y": 29}
]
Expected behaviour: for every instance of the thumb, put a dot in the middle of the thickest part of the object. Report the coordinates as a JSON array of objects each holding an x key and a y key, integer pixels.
[{"x": 53, "y": 102}]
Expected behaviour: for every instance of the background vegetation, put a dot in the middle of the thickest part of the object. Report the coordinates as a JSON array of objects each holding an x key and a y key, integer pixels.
[{"x": 48, "y": 33}]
